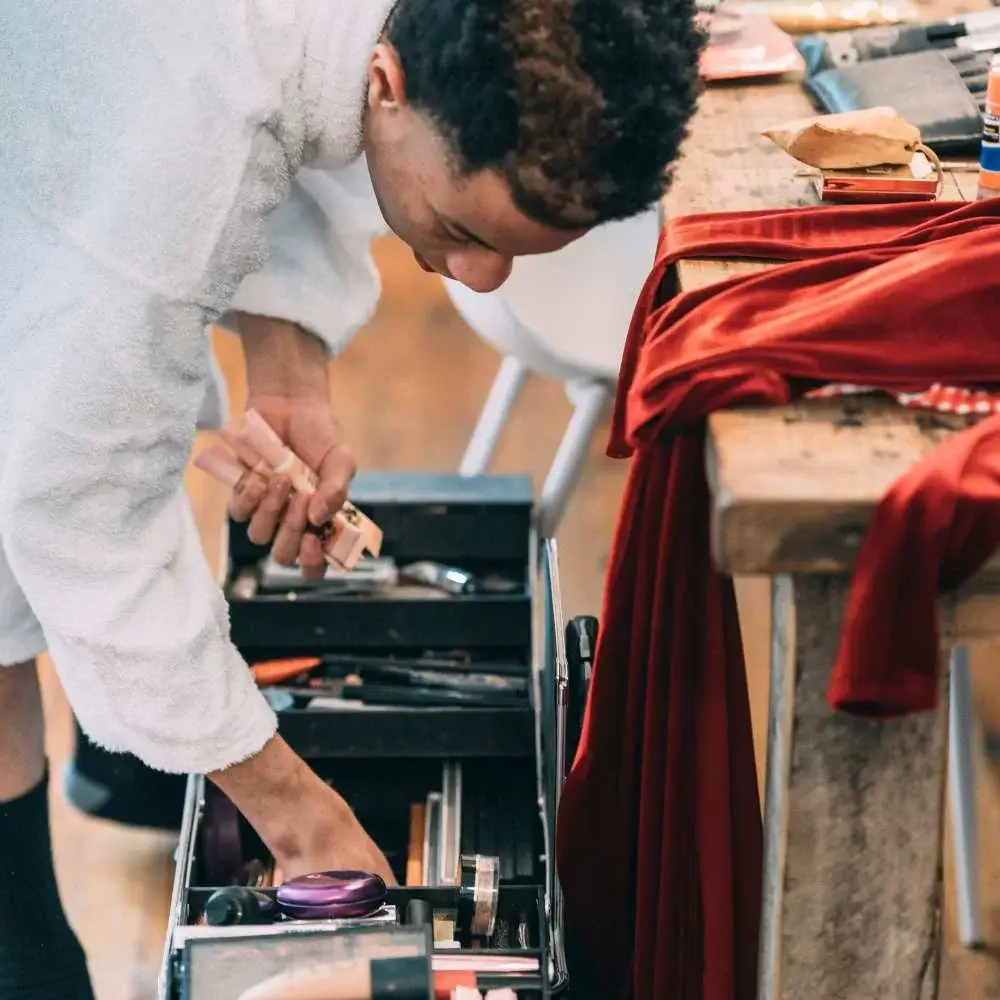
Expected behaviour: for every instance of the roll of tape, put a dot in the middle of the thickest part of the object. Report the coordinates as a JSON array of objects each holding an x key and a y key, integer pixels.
[{"x": 478, "y": 895}]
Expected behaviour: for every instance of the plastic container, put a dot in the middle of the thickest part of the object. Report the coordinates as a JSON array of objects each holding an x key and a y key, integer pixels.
[{"x": 989, "y": 155}]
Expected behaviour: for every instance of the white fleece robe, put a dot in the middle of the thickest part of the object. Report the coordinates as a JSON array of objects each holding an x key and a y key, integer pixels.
[{"x": 151, "y": 156}]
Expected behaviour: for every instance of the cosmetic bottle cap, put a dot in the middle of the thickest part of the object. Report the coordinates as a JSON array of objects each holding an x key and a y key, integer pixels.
[{"x": 223, "y": 910}]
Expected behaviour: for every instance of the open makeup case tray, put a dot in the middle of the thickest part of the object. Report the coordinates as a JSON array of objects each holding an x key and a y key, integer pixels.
[{"x": 482, "y": 776}]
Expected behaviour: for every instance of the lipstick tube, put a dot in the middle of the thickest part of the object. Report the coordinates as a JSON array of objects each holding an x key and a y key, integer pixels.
[
  {"x": 221, "y": 465},
  {"x": 256, "y": 433}
]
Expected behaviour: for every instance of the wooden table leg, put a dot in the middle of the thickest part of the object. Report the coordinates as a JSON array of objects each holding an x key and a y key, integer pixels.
[{"x": 853, "y": 820}]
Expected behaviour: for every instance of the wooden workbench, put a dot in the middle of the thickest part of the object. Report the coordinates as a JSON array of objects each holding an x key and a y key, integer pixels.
[{"x": 853, "y": 810}]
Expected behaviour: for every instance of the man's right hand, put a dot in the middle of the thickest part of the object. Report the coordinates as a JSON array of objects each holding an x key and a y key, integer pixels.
[{"x": 305, "y": 824}]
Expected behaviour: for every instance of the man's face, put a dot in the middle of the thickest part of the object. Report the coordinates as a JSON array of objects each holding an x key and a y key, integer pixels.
[{"x": 467, "y": 228}]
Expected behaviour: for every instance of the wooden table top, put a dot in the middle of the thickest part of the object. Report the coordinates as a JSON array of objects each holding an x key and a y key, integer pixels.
[{"x": 793, "y": 486}]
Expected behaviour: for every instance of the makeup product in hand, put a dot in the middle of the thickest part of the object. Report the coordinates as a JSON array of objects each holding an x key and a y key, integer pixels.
[
  {"x": 258, "y": 435},
  {"x": 352, "y": 533},
  {"x": 478, "y": 896},
  {"x": 331, "y": 895},
  {"x": 259, "y": 449},
  {"x": 239, "y": 906},
  {"x": 221, "y": 466}
]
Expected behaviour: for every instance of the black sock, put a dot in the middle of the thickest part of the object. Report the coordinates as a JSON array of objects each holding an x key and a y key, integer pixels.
[{"x": 40, "y": 956}]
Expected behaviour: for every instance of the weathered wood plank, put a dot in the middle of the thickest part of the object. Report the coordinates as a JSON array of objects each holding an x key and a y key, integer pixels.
[
  {"x": 794, "y": 487},
  {"x": 853, "y": 809}
]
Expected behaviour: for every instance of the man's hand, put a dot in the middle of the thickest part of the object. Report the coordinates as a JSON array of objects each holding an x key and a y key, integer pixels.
[
  {"x": 311, "y": 431},
  {"x": 286, "y": 372},
  {"x": 346, "y": 847},
  {"x": 306, "y": 825}
]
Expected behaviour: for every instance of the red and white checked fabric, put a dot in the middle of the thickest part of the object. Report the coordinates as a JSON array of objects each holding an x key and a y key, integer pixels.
[{"x": 942, "y": 398}]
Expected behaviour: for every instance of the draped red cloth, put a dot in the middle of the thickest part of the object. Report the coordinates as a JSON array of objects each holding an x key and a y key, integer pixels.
[{"x": 659, "y": 834}]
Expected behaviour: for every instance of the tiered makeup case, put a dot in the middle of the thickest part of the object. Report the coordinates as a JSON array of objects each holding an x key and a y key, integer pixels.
[{"x": 440, "y": 709}]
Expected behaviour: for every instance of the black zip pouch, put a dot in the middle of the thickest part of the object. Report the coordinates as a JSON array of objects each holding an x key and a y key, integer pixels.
[{"x": 938, "y": 91}]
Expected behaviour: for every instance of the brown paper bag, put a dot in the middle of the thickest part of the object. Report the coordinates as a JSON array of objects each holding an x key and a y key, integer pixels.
[{"x": 870, "y": 138}]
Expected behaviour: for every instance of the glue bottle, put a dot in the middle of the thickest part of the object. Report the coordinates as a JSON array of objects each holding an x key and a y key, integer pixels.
[{"x": 989, "y": 155}]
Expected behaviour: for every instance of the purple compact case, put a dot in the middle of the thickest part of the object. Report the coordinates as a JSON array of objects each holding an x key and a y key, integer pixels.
[{"x": 331, "y": 895}]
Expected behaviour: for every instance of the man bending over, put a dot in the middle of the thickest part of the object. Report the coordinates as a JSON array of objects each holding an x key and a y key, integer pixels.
[{"x": 164, "y": 163}]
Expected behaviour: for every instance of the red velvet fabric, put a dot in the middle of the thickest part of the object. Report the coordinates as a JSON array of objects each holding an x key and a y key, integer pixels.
[{"x": 659, "y": 835}]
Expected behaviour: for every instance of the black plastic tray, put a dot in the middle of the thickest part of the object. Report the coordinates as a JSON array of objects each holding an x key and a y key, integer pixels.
[
  {"x": 444, "y": 517},
  {"x": 481, "y": 523},
  {"x": 411, "y": 732},
  {"x": 316, "y": 625}
]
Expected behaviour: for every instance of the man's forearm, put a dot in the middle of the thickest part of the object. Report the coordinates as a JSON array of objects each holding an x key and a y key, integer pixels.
[
  {"x": 282, "y": 358},
  {"x": 272, "y": 788}
]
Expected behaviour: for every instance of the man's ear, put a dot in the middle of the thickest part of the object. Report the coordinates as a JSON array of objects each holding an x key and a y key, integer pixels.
[{"x": 386, "y": 81}]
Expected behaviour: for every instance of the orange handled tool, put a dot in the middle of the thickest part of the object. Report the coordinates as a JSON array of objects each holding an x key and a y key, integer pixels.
[{"x": 268, "y": 672}]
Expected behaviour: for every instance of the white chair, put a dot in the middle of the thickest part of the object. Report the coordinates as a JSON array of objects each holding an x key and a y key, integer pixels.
[
  {"x": 565, "y": 315},
  {"x": 562, "y": 315}
]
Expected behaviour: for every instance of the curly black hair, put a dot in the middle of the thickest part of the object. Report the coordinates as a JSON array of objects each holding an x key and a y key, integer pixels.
[{"x": 581, "y": 105}]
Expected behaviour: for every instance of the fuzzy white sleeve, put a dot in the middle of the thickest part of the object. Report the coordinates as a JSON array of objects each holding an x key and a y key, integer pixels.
[
  {"x": 98, "y": 531},
  {"x": 319, "y": 273}
]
